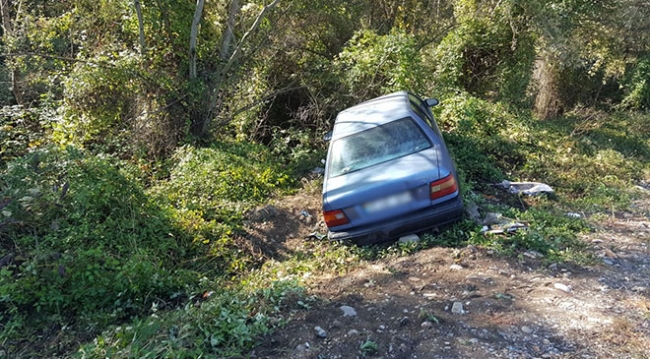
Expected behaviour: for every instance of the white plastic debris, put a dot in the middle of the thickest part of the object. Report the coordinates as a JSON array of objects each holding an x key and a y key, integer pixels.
[
  {"x": 504, "y": 228},
  {"x": 527, "y": 188}
]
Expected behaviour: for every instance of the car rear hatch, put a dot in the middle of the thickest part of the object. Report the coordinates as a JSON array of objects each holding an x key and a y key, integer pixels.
[{"x": 385, "y": 190}]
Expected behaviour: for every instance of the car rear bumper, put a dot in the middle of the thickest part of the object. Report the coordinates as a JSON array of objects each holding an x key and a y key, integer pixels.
[{"x": 428, "y": 218}]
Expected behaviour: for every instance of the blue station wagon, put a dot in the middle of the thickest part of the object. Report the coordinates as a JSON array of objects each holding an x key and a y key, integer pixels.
[{"x": 388, "y": 171}]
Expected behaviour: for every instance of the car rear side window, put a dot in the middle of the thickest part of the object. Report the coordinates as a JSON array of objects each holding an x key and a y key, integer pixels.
[{"x": 376, "y": 145}]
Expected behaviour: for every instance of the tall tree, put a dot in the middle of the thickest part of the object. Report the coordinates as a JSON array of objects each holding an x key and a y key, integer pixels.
[{"x": 8, "y": 39}]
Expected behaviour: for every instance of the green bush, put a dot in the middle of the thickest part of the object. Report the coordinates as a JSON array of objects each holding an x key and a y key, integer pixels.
[
  {"x": 226, "y": 325},
  {"x": 209, "y": 189},
  {"x": 638, "y": 87},
  {"x": 215, "y": 179},
  {"x": 483, "y": 56},
  {"x": 21, "y": 130},
  {"x": 68, "y": 199},
  {"x": 373, "y": 65},
  {"x": 486, "y": 139},
  {"x": 83, "y": 244}
]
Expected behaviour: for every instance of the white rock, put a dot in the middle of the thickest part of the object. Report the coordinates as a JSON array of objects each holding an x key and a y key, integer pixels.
[
  {"x": 457, "y": 308},
  {"x": 526, "y": 329},
  {"x": 353, "y": 333},
  {"x": 533, "y": 254},
  {"x": 348, "y": 311},
  {"x": 455, "y": 267},
  {"x": 426, "y": 324},
  {"x": 562, "y": 287},
  {"x": 411, "y": 238},
  {"x": 320, "y": 332}
]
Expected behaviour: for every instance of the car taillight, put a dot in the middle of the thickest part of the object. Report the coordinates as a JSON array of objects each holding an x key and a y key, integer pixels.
[
  {"x": 443, "y": 187},
  {"x": 335, "y": 218}
]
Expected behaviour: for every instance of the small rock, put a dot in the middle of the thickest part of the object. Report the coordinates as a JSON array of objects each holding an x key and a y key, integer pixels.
[
  {"x": 573, "y": 215},
  {"x": 562, "y": 287},
  {"x": 473, "y": 341},
  {"x": 455, "y": 267},
  {"x": 348, "y": 311},
  {"x": 533, "y": 254},
  {"x": 553, "y": 266},
  {"x": 320, "y": 332},
  {"x": 457, "y": 308},
  {"x": 608, "y": 261},
  {"x": 404, "y": 321},
  {"x": 353, "y": 332},
  {"x": 526, "y": 329},
  {"x": 426, "y": 324},
  {"x": 301, "y": 347},
  {"x": 411, "y": 238}
]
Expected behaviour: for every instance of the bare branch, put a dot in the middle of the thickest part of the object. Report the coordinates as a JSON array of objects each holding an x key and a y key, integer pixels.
[{"x": 248, "y": 33}]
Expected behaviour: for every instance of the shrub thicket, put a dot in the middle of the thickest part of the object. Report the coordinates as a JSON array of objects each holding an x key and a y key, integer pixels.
[{"x": 85, "y": 245}]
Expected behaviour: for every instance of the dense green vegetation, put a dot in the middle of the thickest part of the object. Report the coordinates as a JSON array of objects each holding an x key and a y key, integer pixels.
[{"x": 134, "y": 135}]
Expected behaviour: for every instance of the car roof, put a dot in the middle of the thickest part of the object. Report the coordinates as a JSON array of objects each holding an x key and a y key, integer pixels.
[{"x": 372, "y": 113}]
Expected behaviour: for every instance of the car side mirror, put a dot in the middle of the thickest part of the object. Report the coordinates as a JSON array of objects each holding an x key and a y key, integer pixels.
[
  {"x": 432, "y": 102},
  {"x": 327, "y": 137}
]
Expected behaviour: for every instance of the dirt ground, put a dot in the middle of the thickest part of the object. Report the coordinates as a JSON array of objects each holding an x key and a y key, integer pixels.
[{"x": 469, "y": 302}]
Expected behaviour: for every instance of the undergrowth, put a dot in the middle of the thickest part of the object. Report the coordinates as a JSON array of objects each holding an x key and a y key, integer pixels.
[
  {"x": 87, "y": 244},
  {"x": 137, "y": 259}
]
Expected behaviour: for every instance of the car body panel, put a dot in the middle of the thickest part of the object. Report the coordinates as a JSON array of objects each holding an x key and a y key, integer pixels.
[{"x": 391, "y": 197}]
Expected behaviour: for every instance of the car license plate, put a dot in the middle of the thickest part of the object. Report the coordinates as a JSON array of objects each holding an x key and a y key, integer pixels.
[{"x": 389, "y": 202}]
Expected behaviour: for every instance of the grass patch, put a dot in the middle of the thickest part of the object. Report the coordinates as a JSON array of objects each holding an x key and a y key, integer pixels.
[{"x": 222, "y": 324}]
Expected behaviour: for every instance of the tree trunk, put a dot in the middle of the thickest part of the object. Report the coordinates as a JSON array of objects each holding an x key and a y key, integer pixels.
[
  {"x": 138, "y": 11},
  {"x": 201, "y": 124},
  {"x": 229, "y": 30},
  {"x": 545, "y": 78},
  {"x": 7, "y": 34},
  {"x": 194, "y": 33}
]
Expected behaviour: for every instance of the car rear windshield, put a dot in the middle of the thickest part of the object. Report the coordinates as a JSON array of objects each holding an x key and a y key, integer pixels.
[{"x": 376, "y": 145}]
